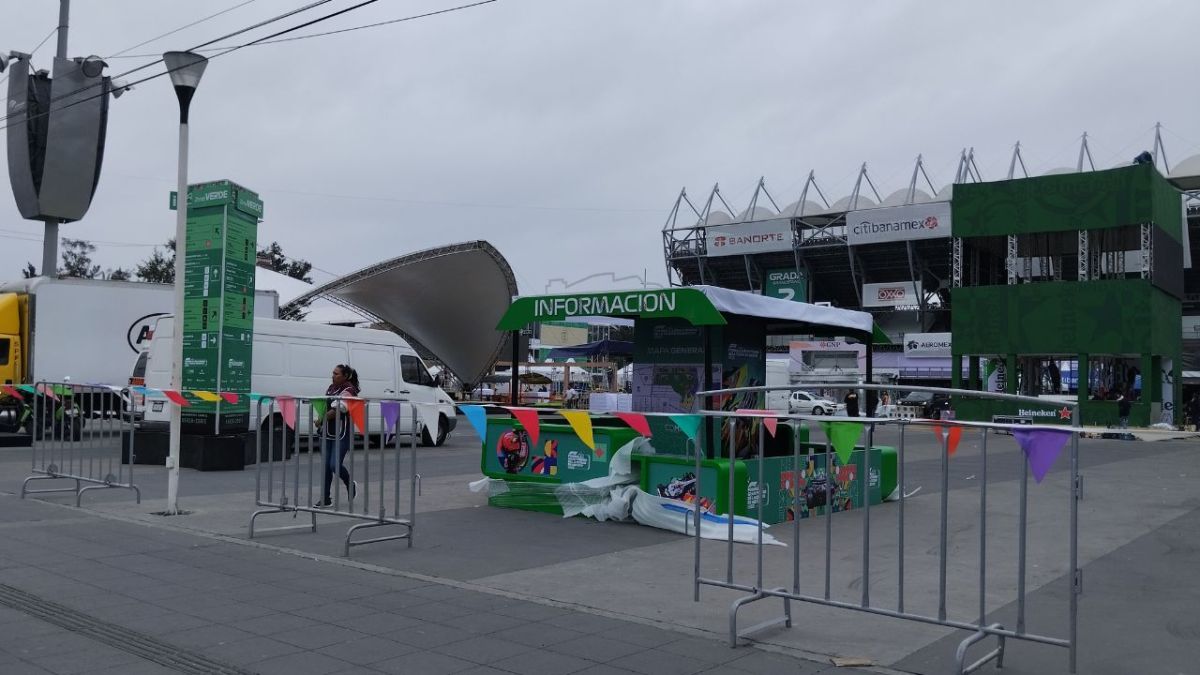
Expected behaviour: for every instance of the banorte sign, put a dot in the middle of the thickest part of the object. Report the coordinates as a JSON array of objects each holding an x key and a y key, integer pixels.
[{"x": 760, "y": 236}]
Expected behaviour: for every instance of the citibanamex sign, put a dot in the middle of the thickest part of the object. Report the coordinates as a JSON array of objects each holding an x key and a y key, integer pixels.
[{"x": 930, "y": 220}]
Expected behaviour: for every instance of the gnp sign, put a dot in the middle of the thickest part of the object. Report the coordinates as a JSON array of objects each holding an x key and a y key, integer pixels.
[
  {"x": 898, "y": 223},
  {"x": 760, "y": 236},
  {"x": 898, "y": 294}
]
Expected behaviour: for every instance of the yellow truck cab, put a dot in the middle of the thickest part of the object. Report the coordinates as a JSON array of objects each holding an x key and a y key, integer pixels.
[{"x": 14, "y": 335}]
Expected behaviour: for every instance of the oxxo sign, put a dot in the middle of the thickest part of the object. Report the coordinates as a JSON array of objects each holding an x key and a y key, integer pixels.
[
  {"x": 898, "y": 294},
  {"x": 898, "y": 223}
]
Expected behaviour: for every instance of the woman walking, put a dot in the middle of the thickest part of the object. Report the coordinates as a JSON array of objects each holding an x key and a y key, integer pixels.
[{"x": 337, "y": 432}]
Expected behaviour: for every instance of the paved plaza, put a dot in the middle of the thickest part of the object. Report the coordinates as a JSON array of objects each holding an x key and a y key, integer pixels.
[{"x": 111, "y": 587}]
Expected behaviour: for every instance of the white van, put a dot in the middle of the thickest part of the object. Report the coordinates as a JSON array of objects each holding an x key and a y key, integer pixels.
[
  {"x": 778, "y": 376},
  {"x": 295, "y": 358}
]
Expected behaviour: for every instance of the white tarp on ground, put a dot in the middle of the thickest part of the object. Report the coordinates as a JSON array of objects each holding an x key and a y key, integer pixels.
[
  {"x": 763, "y": 306},
  {"x": 617, "y": 497},
  {"x": 446, "y": 301}
]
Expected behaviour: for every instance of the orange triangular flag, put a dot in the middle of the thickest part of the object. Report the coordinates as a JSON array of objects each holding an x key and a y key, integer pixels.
[
  {"x": 952, "y": 439},
  {"x": 357, "y": 409}
]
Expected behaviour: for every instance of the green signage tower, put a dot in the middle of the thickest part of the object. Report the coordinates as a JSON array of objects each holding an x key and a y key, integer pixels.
[{"x": 218, "y": 316}]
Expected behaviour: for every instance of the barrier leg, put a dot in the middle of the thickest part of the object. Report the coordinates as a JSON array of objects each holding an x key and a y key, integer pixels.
[{"x": 960, "y": 656}]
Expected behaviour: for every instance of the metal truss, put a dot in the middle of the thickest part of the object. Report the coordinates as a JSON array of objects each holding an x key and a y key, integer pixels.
[
  {"x": 1010, "y": 259},
  {"x": 1085, "y": 257},
  {"x": 956, "y": 262},
  {"x": 1147, "y": 250}
]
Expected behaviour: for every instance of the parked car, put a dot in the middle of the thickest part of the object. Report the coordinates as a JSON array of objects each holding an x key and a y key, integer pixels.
[
  {"x": 931, "y": 405},
  {"x": 802, "y": 402}
]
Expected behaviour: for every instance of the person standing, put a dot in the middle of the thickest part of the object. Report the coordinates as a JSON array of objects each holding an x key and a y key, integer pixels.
[
  {"x": 851, "y": 402},
  {"x": 337, "y": 432},
  {"x": 1124, "y": 406}
]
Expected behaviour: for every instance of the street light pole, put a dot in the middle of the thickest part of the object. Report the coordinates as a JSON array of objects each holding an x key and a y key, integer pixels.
[
  {"x": 185, "y": 69},
  {"x": 50, "y": 237}
]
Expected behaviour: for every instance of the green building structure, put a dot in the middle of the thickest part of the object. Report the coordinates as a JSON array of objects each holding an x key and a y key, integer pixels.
[{"x": 1077, "y": 272}]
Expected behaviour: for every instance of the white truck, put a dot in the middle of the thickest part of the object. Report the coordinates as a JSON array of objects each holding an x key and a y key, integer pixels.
[
  {"x": 83, "y": 330},
  {"x": 295, "y": 358}
]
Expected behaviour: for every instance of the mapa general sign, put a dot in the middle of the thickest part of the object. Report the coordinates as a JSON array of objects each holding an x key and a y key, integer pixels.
[
  {"x": 898, "y": 223},
  {"x": 759, "y": 236},
  {"x": 927, "y": 344}
]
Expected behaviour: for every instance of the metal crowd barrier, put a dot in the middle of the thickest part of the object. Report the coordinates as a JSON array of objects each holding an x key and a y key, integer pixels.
[
  {"x": 284, "y": 483},
  {"x": 980, "y": 628},
  {"x": 78, "y": 433}
]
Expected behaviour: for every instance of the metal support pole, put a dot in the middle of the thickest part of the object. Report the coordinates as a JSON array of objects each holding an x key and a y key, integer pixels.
[
  {"x": 866, "y": 492},
  {"x": 1023, "y": 518},
  {"x": 900, "y": 517},
  {"x": 177, "y": 337},
  {"x": 1076, "y": 573},
  {"x": 696, "y": 522},
  {"x": 942, "y": 540},
  {"x": 983, "y": 528},
  {"x": 732, "y": 489},
  {"x": 828, "y": 515}
]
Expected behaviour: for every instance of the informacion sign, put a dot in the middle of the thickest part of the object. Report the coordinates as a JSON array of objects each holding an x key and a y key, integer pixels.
[
  {"x": 218, "y": 311},
  {"x": 788, "y": 284}
]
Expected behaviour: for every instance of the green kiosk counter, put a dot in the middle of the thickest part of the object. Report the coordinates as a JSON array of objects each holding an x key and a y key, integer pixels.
[{"x": 689, "y": 341}]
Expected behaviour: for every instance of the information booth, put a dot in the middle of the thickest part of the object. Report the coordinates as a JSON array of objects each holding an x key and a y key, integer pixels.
[{"x": 688, "y": 340}]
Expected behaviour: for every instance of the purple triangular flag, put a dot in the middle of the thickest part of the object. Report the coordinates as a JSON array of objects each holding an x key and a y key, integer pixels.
[
  {"x": 391, "y": 413},
  {"x": 1041, "y": 447}
]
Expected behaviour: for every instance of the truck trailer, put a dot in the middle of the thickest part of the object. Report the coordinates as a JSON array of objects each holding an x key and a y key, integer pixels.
[{"x": 82, "y": 331}]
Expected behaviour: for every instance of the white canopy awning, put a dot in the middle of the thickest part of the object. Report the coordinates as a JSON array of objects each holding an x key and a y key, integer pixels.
[{"x": 767, "y": 307}]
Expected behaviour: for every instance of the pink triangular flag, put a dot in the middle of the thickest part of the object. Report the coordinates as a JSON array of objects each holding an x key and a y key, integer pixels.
[
  {"x": 528, "y": 417},
  {"x": 287, "y": 408},
  {"x": 636, "y": 421},
  {"x": 768, "y": 418},
  {"x": 176, "y": 398},
  {"x": 230, "y": 397},
  {"x": 14, "y": 392}
]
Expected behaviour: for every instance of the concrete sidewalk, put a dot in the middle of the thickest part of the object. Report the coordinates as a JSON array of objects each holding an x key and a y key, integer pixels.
[
  {"x": 83, "y": 593},
  {"x": 594, "y": 591}
]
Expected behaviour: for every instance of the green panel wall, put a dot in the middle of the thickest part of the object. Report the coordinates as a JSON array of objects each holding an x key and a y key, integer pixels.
[
  {"x": 1092, "y": 200},
  {"x": 1113, "y": 316}
]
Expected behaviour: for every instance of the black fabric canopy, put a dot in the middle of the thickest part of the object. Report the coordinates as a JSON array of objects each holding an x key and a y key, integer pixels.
[{"x": 606, "y": 347}]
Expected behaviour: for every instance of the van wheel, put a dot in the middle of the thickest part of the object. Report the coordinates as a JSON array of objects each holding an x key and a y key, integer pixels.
[
  {"x": 283, "y": 443},
  {"x": 442, "y": 433}
]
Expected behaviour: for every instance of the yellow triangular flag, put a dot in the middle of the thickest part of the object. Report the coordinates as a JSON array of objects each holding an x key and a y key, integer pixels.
[
  {"x": 207, "y": 396},
  {"x": 581, "y": 422}
]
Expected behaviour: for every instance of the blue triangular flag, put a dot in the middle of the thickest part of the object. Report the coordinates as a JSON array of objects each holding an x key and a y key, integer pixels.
[{"x": 477, "y": 416}]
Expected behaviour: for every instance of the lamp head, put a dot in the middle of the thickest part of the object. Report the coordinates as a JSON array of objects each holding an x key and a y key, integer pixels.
[
  {"x": 185, "y": 68},
  {"x": 91, "y": 66}
]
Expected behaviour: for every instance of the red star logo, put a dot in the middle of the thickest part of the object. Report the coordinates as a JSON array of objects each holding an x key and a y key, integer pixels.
[{"x": 1065, "y": 413}]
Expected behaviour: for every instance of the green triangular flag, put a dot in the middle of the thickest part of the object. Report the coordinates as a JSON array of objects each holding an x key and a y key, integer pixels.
[
  {"x": 319, "y": 407},
  {"x": 843, "y": 436},
  {"x": 688, "y": 424}
]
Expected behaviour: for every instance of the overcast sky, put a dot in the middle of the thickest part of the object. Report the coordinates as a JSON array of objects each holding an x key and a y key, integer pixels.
[{"x": 562, "y": 130}]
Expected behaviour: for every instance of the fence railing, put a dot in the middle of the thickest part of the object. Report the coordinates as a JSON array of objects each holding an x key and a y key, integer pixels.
[
  {"x": 81, "y": 433},
  {"x": 340, "y": 435},
  {"x": 758, "y": 587}
]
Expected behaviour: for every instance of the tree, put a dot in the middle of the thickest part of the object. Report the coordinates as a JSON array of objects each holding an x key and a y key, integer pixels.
[
  {"x": 119, "y": 274},
  {"x": 30, "y": 271},
  {"x": 272, "y": 257},
  {"x": 77, "y": 259},
  {"x": 159, "y": 268}
]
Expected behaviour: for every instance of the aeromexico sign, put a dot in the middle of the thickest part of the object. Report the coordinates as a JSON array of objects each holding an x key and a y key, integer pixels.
[
  {"x": 927, "y": 344},
  {"x": 898, "y": 224},
  {"x": 759, "y": 236}
]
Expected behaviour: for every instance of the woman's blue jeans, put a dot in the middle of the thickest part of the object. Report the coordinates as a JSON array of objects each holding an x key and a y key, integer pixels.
[{"x": 335, "y": 452}]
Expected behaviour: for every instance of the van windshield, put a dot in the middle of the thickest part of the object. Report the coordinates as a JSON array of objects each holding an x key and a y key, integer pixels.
[
  {"x": 414, "y": 372},
  {"x": 139, "y": 368},
  {"x": 4, "y": 347}
]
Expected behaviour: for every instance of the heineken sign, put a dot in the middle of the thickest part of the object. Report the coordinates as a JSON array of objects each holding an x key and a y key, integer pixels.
[{"x": 683, "y": 303}]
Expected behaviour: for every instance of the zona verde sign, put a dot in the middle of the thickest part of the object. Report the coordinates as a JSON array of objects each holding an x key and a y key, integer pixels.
[{"x": 681, "y": 303}]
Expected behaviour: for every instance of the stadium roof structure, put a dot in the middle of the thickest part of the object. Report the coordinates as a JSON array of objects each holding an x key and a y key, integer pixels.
[
  {"x": 837, "y": 270},
  {"x": 445, "y": 301}
]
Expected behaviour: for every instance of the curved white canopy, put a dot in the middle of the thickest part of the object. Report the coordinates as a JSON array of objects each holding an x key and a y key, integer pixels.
[{"x": 445, "y": 301}]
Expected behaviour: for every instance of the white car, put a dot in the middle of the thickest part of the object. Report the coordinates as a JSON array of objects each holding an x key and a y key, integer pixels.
[{"x": 804, "y": 403}]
